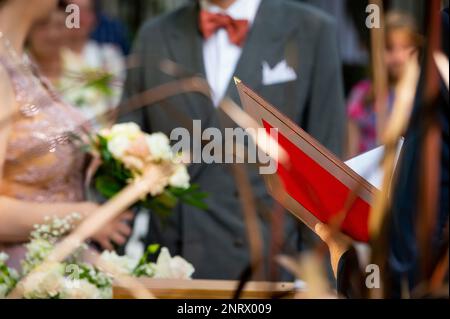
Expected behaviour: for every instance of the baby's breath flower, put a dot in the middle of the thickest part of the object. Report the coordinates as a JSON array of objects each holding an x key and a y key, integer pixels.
[
  {"x": 55, "y": 227},
  {"x": 3, "y": 257},
  {"x": 37, "y": 251}
]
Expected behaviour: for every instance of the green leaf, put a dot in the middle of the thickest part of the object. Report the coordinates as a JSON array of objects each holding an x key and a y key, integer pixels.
[
  {"x": 195, "y": 203},
  {"x": 167, "y": 199},
  {"x": 160, "y": 209},
  {"x": 191, "y": 196},
  {"x": 107, "y": 185},
  {"x": 114, "y": 176},
  {"x": 101, "y": 83},
  {"x": 153, "y": 249}
]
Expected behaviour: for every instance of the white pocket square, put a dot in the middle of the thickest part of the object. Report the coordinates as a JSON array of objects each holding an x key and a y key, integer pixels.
[{"x": 281, "y": 73}]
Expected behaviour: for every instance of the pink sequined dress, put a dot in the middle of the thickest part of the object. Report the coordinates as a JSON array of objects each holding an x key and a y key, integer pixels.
[{"x": 41, "y": 164}]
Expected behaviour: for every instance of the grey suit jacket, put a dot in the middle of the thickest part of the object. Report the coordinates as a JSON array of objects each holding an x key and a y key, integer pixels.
[{"x": 215, "y": 241}]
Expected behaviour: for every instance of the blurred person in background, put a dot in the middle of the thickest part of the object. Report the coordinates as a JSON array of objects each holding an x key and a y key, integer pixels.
[
  {"x": 45, "y": 43},
  {"x": 92, "y": 89},
  {"x": 97, "y": 70},
  {"x": 352, "y": 34},
  {"x": 35, "y": 186},
  {"x": 403, "y": 42},
  {"x": 91, "y": 52},
  {"x": 110, "y": 30},
  {"x": 285, "y": 51},
  {"x": 416, "y": 250}
]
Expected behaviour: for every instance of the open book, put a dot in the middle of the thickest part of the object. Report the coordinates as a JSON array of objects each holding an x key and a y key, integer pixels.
[{"x": 317, "y": 186}]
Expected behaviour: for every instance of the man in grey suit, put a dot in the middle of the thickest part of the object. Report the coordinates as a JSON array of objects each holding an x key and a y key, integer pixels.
[{"x": 287, "y": 52}]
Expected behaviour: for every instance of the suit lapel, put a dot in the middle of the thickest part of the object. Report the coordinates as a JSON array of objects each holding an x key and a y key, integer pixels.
[
  {"x": 263, "y": 43},
  {"x": 185, "y": 40},
  {"x": 185, "y": 47}
]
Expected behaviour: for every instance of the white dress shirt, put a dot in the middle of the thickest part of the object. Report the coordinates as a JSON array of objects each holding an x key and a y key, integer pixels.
[{"x": 220, "y": 56}]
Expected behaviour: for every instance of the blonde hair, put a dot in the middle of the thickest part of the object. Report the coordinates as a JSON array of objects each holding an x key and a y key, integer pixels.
[{"x": 396, "y": 20}]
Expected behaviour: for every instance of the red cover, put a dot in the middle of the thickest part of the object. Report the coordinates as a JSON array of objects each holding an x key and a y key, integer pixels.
[
  {"x": 319, "y": 192},
  {"x": 319, "y": 186}
]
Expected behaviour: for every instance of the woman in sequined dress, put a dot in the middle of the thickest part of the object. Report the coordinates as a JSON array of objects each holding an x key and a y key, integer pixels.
[{"x": 34, "y": 185}]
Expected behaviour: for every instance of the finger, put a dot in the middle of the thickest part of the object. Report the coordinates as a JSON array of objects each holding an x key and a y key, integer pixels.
[
  {"x": 124, "y": 229},
  {"x": 323, "y": 232},
  {"x": 128, "y": 216},
  {"x": 106, "y": 244},
  {"x": 118, "y": 239}
]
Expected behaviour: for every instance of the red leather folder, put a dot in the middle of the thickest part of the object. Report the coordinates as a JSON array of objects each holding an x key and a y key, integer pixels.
[{"x": 317, "y": 186}]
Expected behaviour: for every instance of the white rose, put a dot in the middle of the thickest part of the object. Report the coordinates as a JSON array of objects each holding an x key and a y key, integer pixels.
[
  {"x": 44, "y": 282},
  {"x": 159, "y": 146},
  {"x": 120, "y": 138},
  {"x": 79, "y": 289},
  {"x": 118, "y": 146},
  {"x": 162, "y": 266},
  {"x": 130, "y": 130},
  {"x": 124, "y": 264},
  {"x": 167, "y": 267},
  {"x": 180, "y": 177},
  {"x": 181, "y": 269}
]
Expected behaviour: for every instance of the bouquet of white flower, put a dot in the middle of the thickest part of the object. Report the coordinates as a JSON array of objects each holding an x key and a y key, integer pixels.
[
  {"x": 125, "y": 151},
  {"x": 75, "y": 278},
  {"x": 71, "y": 279},
  {"x": 166, "y": 266}
]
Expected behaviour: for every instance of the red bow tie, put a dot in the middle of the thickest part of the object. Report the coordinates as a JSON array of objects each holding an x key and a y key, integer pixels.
[{"x": 210, "y": 23}]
